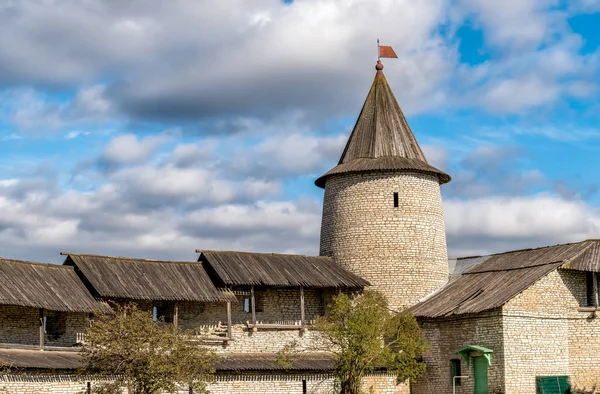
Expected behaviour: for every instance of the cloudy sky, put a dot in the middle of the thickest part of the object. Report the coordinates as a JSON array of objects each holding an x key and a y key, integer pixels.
[{"x": 153, "y": 128}]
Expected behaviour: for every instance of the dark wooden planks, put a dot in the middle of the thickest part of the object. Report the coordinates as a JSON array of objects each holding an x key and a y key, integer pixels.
[
  {"x": 500, "y": 277},
  {"x": 143, "y": 279},
  {"x": 268, "y": 362},
  {"x": 383, "y": 164},
  {"x": 380, "y": 135},
  {"x": 270, "y": 269},
  {"x": 46, "y": 286},
  {"x": 588, "y": 260}
]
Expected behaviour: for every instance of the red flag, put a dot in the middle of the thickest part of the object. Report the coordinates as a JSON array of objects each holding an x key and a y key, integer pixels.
[{"x": 386, "y": 51}]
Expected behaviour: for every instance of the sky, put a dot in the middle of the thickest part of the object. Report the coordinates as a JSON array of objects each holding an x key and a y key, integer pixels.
[{"x": 155, "y": 128}]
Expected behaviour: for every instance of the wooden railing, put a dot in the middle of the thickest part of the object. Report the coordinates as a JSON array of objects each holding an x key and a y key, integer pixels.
[{"x": 80, "y": 338}]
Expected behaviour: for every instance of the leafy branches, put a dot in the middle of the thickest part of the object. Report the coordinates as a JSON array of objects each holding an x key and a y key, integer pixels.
[
  {"x": 363, "y": 335},
  {"x": 145, "y": 357}
]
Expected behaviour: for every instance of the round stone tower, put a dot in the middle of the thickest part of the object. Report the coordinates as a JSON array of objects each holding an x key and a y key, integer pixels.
[{"x": 382, "y": 211}]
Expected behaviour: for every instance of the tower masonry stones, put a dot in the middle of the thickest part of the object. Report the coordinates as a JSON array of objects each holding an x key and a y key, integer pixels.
[{"x": 382, "y": 211}]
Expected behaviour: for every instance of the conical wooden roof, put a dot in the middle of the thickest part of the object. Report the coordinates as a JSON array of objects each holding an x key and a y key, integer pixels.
[{"x": 382, "y": 139}]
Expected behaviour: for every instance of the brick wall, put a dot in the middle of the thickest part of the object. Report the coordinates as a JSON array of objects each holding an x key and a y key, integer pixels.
[
  {"x": 539, "y": 332},
  {"x": 20, "y": 325},
  {"x": 446, "y": 336},
  {"x": 401, "y": 251},
  {"x": 278, "y": 305},
  {"x": 545, "y": 334},
  {"x": 223, "y": 384}
]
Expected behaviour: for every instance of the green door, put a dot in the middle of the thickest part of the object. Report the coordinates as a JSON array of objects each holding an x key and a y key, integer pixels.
[{"x": 480, "y": 364}]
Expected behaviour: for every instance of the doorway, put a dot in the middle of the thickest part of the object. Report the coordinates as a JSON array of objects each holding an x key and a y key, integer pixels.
[{"x": 480, "y": 367}]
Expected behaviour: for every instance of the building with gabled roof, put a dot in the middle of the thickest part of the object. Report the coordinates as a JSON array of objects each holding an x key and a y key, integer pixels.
[{"x": 519, "y": 322}]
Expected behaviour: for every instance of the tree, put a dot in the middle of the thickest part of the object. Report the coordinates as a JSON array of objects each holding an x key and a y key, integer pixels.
[
  {"x": 363, "y": 335},
  {"x": 146, "y": 357}
]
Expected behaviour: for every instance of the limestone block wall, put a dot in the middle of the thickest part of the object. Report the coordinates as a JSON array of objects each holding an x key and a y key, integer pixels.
[
  {"x": 224, "y": 384},
  {"x": 278, "y": 305},
  {"x": 545, "y": 334},
  {"x": 20, "y": 325},
  {"x": 271, "y": 384},
  {"x": 401, "y": 251},
  {"x": 536, "y": 333},
  {"x": 74, "y": 323},
  {"x": 446, "y": 336},
  {"x": 584, "y": 336},
  {"x": 268, "y": 340}
]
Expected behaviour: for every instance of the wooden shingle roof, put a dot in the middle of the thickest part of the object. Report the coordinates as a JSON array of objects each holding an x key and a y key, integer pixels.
[
  {"x": 500, "y": 277},
  {"x": 143, "y": 279},
  {"x": 382, "y": 139},
  {"x": 281, "y": 270},
  {"x": 47, "y": 286},
  {"x": 230, "y": 362},
  {"x": 244, "y": 362},
  {"x": 36, "y": 359}
]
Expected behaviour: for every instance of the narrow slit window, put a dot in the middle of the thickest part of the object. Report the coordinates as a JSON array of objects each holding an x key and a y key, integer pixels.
[
  {"x": 455, "y": 370},
  {"x": 591, "y": 288},
  {"x": 304, "y": 388},
  {"x": 395, "y": 199}
]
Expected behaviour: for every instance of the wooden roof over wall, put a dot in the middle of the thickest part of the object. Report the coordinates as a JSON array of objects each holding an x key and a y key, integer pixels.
[
  {"x": 230, "y": 362},
  {"x": 37, "y": 359},
  {"x": 47, "y": 286},
  {"x": 281, "y": 270},
  {"x": 143, "y": 279},
  {"x": 500, "y": 277}
]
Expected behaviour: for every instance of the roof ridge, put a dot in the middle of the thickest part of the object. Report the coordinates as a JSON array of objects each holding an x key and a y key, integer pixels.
[
  {"x": 52, "y": 265},
  {"x": 524, "y": 250},
  {"x": 129, "y": 258},
  {"x": 512, "y": 268},
  {"x": 261, "y": 253}
]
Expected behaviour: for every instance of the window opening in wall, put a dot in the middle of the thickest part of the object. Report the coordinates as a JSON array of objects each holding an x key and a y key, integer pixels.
[
  {"x": 259, "y": 298},
  {"x": 395, "y": 199},
  {"x": 591, "y": 288},
  {"x": 304, "y": 390},
  {"x": 258, "y": 302},
  {"x": 455, "y": 369},
  {"x": 55, "y": 324},
  {"x": 163, "y": 312}
]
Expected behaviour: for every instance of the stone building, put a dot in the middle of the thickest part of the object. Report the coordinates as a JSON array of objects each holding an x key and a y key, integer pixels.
[{"x": 519, "y": 322}]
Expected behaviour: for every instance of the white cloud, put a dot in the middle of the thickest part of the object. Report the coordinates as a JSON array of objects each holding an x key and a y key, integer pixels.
[
  {"x": 496, "y": 224},
  {"x": 129, "y": 149}
]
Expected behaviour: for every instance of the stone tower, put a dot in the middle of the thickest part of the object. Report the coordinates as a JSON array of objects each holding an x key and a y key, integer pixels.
[{"x": 382, "y": 210}]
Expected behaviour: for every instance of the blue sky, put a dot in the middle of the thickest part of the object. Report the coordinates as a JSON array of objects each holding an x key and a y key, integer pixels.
[{"x": 154, "y": 129}]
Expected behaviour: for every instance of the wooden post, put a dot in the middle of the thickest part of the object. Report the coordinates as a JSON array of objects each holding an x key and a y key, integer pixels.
[
  {"x": 595, "y": 282},
  {"x": 253, "y": 306},
  {"x": 41, "y": 328},
  {"x": 229, "y": 319},
  {"x": 176, "y": 316},
  {"x": 302, "y": 306}
]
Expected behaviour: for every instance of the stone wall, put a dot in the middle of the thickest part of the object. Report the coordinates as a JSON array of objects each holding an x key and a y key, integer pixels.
[
  {"x": 446, "y": 336},
  {"x": 545, "y": 334},
  {"x": 278, "y": 305},
  {"x": 20, "y": 325},
  {"x": 223, "y": 384},
  {"x": 536, "y": 333},
  {"x": 540, "y": 332},
  {"x": 401, "y": 251}
]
